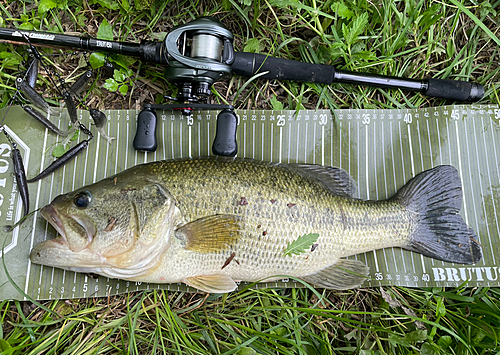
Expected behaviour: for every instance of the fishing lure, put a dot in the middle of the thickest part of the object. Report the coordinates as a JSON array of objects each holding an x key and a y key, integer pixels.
[
  {"x": 82, "y": 82},
  {"x": 21, "y": 181},
  {"x": 41, "y": 118},
  {"x": 33, "y": 96},
  {"x": 100, "y": 121},
  {"x": 19, "y": 172},
  {"x": 64, "y": 159},
  {"x": 70, "y": 105},
  {"x": 32, "y": 72}
]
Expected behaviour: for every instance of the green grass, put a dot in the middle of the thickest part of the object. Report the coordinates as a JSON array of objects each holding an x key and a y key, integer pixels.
[
  {"x": 292, "y": 321},
  {"x": 416, "y": 39}
]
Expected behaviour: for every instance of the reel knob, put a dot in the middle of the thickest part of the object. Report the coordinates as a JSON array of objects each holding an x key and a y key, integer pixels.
[
  {"x": 203, "y": 89},
  {"x": 145, "y": 136},
  {"x": 225, "y": 143}
]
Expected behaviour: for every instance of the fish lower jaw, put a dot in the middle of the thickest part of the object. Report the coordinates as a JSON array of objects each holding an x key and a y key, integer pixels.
[
  {"x": 118, "y": 273},
  {"x": 77, "y": 227}
]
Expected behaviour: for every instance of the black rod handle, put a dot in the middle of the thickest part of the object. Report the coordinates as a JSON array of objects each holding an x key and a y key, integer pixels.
[
  {"x": 249, "y": 64},
  {"x": 454, "y": 90}
]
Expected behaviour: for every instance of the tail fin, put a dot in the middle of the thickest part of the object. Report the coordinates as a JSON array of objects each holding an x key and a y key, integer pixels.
[{"x": 435, "y": 197}]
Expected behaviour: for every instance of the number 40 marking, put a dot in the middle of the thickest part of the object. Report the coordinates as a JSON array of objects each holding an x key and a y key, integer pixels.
[{"x": 408, "y": 118}]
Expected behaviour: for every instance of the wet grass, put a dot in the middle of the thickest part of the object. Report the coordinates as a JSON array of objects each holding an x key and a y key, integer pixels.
[{"x": 416, "y": 39}]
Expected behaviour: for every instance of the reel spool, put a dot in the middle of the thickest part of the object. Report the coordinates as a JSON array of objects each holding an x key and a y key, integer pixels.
[{"x": 199, "y": 53}]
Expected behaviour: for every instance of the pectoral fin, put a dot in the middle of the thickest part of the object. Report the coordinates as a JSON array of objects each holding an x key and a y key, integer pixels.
[
  {"x": 343, "y": 275},
  {"x": 209, "y": 234},
  {"x": 211, "y": 283}
]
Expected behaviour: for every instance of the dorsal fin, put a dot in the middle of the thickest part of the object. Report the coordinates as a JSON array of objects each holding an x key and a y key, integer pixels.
[{"x": 337, "y": 180}]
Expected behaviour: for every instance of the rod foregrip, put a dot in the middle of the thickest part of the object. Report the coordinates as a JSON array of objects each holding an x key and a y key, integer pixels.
[
  {"x": 249, "y": 64},
  {"x": 149, "y": 51},
  {"x": 454, "y": 90}
]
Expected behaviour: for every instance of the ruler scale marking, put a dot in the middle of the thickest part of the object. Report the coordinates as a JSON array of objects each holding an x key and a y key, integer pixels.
[
  {"x": 473, "y": 195},
  {"x": 482, "y": 194},
  {"x": 404, "y": 179},
  {"x": 454, "y": 135},
  {"x": 37, "y": 203}
]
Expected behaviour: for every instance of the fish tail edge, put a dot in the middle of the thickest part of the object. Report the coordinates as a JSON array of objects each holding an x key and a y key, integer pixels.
[{"x": 434, "y": 198}]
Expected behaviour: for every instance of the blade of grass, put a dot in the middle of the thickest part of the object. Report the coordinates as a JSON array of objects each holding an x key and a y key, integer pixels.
[{"x": 476, "y": 20}]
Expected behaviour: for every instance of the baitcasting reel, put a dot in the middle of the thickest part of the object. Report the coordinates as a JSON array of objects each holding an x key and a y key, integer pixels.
[{"x": 199, "y": 53}]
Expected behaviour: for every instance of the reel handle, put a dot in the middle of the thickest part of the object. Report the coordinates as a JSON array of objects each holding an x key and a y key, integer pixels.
[{"x": 224, "y": 143}]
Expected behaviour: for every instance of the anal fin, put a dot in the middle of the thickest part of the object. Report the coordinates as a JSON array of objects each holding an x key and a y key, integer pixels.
[
  {"x": 211, "y": 283},
  {"x": 343, "y": 275}
]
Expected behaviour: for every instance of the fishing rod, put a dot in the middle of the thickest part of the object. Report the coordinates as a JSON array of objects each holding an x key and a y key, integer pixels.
[{"x": 200, "y": 53}]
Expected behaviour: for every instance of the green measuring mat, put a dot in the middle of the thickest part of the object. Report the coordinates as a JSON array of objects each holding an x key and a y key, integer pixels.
[{"x": 381, "y": 149}]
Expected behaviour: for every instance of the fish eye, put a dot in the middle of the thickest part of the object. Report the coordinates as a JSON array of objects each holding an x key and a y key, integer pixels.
[{"x": 82, "y": 199}]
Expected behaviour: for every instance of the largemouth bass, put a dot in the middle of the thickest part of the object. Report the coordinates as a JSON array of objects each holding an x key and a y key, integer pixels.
[{"x": 209, "y": 222}]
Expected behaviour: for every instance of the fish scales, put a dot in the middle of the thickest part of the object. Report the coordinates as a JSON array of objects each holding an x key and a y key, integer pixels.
[
  {"x": 265, "y": 237},
  {"x": 209, "y": 222}
]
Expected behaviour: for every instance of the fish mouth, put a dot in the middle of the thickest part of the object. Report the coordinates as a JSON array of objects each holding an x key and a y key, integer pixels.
[
  {"x": 69, "y": 249},
  {"x": 75, "y": 224},
  {"x": 50, "y": 215}
]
